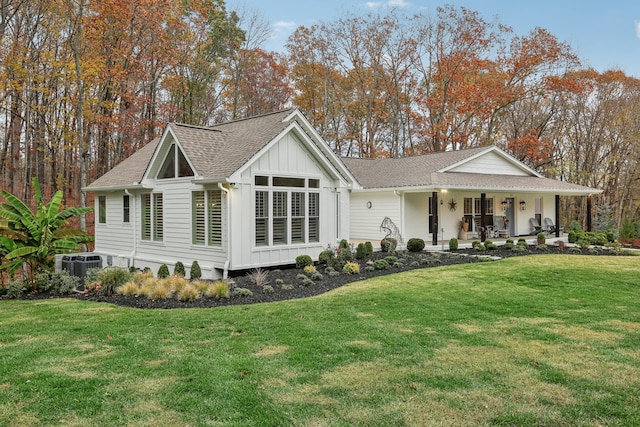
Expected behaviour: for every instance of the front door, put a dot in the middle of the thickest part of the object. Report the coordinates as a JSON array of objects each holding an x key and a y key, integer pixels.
[{"x": 509, "y": 213}]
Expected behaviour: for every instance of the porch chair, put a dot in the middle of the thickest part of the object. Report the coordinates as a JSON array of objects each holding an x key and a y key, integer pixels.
[
  {"x": 550, "y": 227},
  {"x": 500, "y": 227},
  {"x": 478, "y": 228},
  {"x": 535, "y": 225}
]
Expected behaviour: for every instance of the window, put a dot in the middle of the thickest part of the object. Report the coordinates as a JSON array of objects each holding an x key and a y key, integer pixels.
[
  {"x": 152, "y": 219},
  {"x": 297, "y": 217},
  {"x": 472, "y": 209},
  {"x": 102, "y": 209},
  {"x": 207, "y": 217},
  {"x": 287, "y": 211},
  {"x": 175, "y": 164},
  {"x": 279, "y": 218},
  {"x": 314, "y": 217},
  {"x": 262, "y": 218},
  {"x": 125, "y": 209}
]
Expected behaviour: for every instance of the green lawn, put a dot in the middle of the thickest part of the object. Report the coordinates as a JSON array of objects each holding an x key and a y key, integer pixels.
[{"x": 540, "y": 340}]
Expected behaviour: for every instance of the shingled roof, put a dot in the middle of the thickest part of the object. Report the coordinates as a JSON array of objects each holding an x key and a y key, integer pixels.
[
  {"x": 216, "y": 152},
  {"x": 430, "y": 171}
]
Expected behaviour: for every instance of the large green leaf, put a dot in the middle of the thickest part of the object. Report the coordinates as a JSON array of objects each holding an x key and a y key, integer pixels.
[{"x": 21, "y": 252}]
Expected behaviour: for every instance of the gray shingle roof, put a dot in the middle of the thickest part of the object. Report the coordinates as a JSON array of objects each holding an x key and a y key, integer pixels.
[
  {"x": 216, "y": 152},
  {"x": 426, "y": 171},
  {"x": 129, "y": 172}
]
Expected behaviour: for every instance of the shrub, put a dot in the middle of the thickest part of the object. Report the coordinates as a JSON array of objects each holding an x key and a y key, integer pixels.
[
  {"x": 519, "y": 248},
  {"x": 260, "y": 276},
  {"x": 351, "y": 268},
  {"x": 195, "y": 272},
  {"x": 489, "y": 245},
  {"x": 522, "y": 240},
  {"x": 325, "y": 257},
  {"x": 343, "y": 256},
  {"x": 279, "y": 282},
  {"x": 163, "y": 271},
  {"x": 43, "y": 282},
  {"x": 361, "y": 251},
  {"x": 267, "y": 289},
  {"x": 303, "y": 260},
  {"x": 63, "y": 284},
  {"x": 380, "y": 264},
  {"x": 301, "y": 276},
  {"x": 477, "y": 245},
  {"x": 509, "y": 241},
  {"x": 333, "y": 273},
  {"x": 388, "y": 244},
  {"x": 540, "y": 238},
  {"x": 415, "y": 244},
  {"x": 241, "y": 292},
  {"x": 178, "y": 269},
  {"x": 188, "y": 293},
  {"x": 307, "y": 282},
  {"x": 453, "y": 244},
  {"x": 310, "y": 269},
  {"x": 201, "y": 285},
  {"x": 509, "y": 245},
  {"x": 368, "y": 246},
  {"x": 316, "y": 275},
  {"x": 369, "y": 268},
  {"x": 15, "y": 288},
  {"x": 344, "y": 244},
  {"x": 391, "y": 259},
  {"x": 542, "y": 247},
  {"x": 218, "y": 289},
  {"x": 112, "y": 278}
]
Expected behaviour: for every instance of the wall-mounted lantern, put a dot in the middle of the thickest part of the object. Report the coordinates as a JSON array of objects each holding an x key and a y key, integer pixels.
[{"x": 523, "y": 205}]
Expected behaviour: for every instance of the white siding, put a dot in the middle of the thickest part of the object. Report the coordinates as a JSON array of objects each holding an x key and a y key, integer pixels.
[
  {"x": 365, "y": 222},
  {"x": 114, "y": 236},
  {"x": 490, "y": 163},
  {"x": 416, "y": 214}
]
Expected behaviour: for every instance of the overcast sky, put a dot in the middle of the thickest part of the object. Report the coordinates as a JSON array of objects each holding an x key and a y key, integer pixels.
[{"x": 605, "y": 34}]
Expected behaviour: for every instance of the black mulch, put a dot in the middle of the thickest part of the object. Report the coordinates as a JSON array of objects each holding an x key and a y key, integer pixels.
[{"x": 286, "y": 284}]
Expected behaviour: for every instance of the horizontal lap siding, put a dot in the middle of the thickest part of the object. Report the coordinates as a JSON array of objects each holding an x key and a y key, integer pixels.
[
  {"x": 490, "y": 163},
  {"x": 364, "y": 222},
  {"x": 115, "y": 236}
]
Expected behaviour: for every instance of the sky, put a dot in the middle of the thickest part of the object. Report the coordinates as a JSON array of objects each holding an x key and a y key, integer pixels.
[{"x": 604, "y": 34}]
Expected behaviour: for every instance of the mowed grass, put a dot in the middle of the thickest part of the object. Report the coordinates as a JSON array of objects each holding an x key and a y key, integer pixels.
[{"x": 529, "y": 341}]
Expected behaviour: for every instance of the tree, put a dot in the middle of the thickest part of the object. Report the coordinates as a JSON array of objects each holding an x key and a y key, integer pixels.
[{"x": 34, "y": 238}]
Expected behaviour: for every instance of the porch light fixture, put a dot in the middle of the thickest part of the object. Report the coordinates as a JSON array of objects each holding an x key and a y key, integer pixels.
[
  {"x": 523, "y": 205},
  {"x": 505, "y": 204}
]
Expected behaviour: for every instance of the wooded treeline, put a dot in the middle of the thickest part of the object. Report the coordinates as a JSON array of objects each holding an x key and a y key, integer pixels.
[{"x": 86, "y": 83}]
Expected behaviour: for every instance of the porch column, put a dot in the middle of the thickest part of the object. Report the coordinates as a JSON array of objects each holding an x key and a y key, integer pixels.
[
  {"x": 557, "y": 215},
  {"x": 434, "y": 213},
  {"x": 483, "y": 213},
  {"x": 589, "y": 212}
]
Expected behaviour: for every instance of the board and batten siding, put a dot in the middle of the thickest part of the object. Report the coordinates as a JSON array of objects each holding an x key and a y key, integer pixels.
[
  {"x": 490, "y": 163},
  {"x": 365, "y": 221},
  {"x": 288, "y": 157}
]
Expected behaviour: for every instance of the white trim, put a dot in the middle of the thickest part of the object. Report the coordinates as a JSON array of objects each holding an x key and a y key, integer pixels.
[{"x": 515, "y": 162}]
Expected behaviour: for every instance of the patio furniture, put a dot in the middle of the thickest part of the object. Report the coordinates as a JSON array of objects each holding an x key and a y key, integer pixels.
[
  {"x": 535, "y": 225},
  {"x": 487, "y": 228},
  {"x": 550, "y": 227},
  {"x": 500, "y": 227}
]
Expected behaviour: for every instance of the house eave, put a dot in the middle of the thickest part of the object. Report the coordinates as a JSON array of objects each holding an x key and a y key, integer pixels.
[{"x": 113, "y": 188}]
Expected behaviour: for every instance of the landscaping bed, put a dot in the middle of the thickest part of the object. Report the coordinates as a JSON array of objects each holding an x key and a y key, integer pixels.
[{"x": 288, "y": 282}]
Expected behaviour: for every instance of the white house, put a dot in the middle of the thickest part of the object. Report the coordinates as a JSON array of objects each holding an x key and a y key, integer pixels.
[
  {"x": 429, "y": 196},
  {"x": 260, "y": 191},
  {"x": 244, "y": 194}
]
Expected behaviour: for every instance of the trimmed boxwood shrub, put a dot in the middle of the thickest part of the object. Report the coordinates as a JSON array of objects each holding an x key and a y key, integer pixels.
[
  {"x": 541, "y": 239},
  {"x": 163, "y": 271},
  {"x": 415, "y": 244},
  {"x": 380, "y": 264},
  {"x": 303, "y": 261},
  {"x": 325, "y": 257},
  {"x": 453, "y": 244},
  {"x": 195, "y": 272},
  {"x": 361, "y": 251},
  {"x": 178, "y": 270},
  {"x": 368, "y": 246}
]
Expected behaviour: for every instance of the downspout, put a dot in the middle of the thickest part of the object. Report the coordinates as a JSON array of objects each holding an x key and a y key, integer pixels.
[
  {"x": 132, "y": 202},
  {"x": 225, "y": 273}
]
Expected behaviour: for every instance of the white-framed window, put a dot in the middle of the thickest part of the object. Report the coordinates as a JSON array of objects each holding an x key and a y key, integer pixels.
[
  {"x": 472, "y": 209},
  {"x": 102, "y": 209},
  {"x": 287, "y": 210},
  {"x": 207, "y": 217},
  {"x": 175, "y": 165},
  {"x": 126, "y": 209},
  {"x": 152, "y": 216}
]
